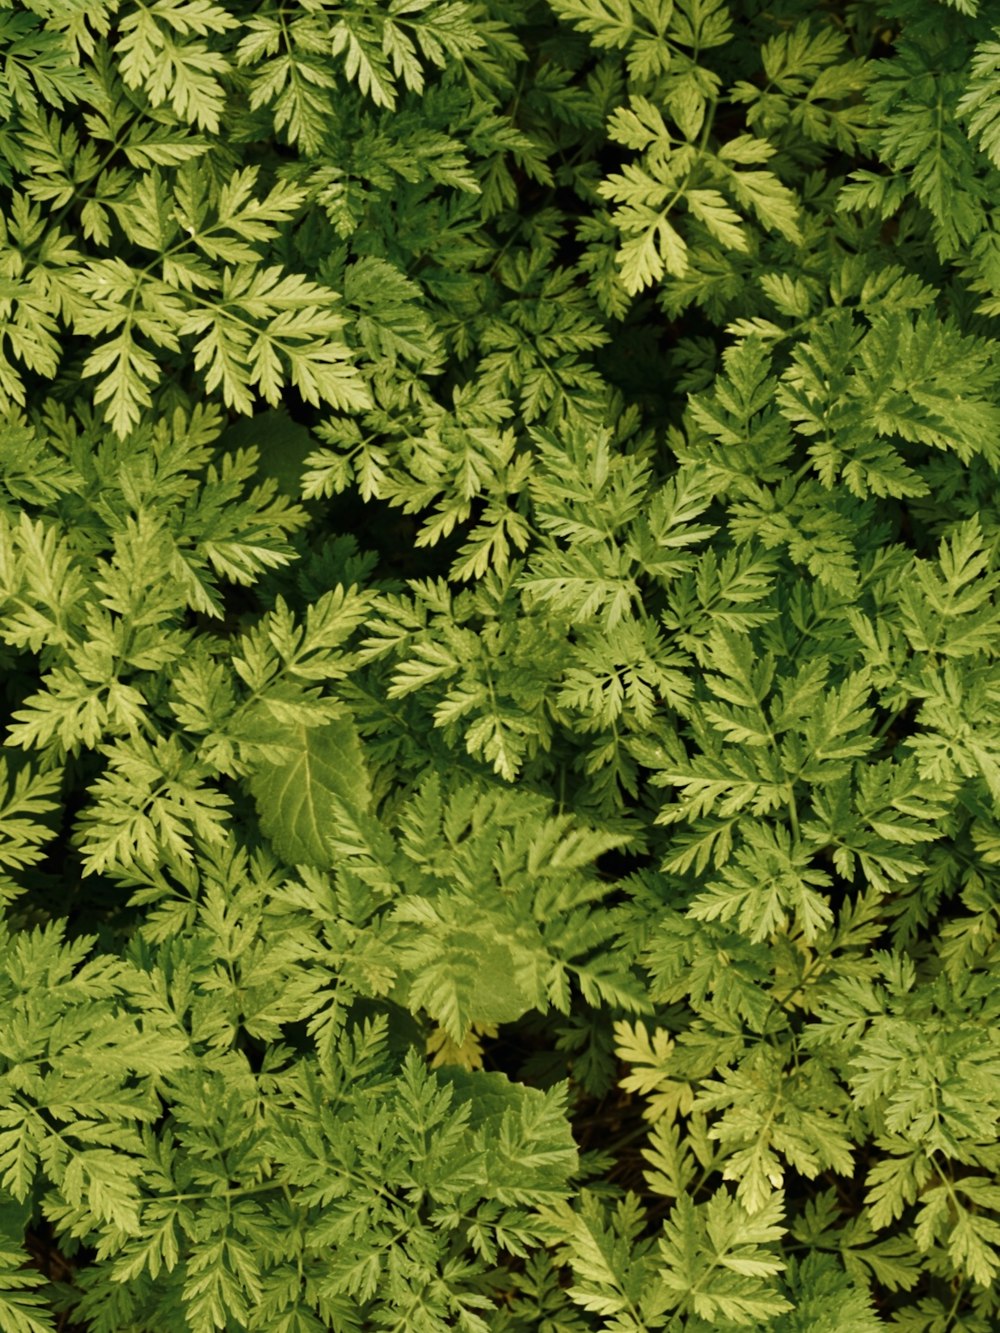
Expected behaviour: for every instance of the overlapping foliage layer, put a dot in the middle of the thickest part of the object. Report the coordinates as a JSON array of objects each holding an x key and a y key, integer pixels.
[{"x": 500, "y": 804}]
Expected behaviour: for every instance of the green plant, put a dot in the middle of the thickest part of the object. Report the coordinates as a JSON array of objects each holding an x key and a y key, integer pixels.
[{"x": 499, "y": 567}]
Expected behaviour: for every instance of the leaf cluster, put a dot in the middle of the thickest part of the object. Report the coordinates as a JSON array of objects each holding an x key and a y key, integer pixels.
[{"x": 499, "y": 571}]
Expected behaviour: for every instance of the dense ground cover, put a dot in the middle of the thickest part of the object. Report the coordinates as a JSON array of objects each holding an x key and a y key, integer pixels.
[{"x": 499, "y": 630}]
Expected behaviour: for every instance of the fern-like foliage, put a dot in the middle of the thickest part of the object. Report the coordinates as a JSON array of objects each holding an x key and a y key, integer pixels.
[{"x": 499, "y": 570}]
